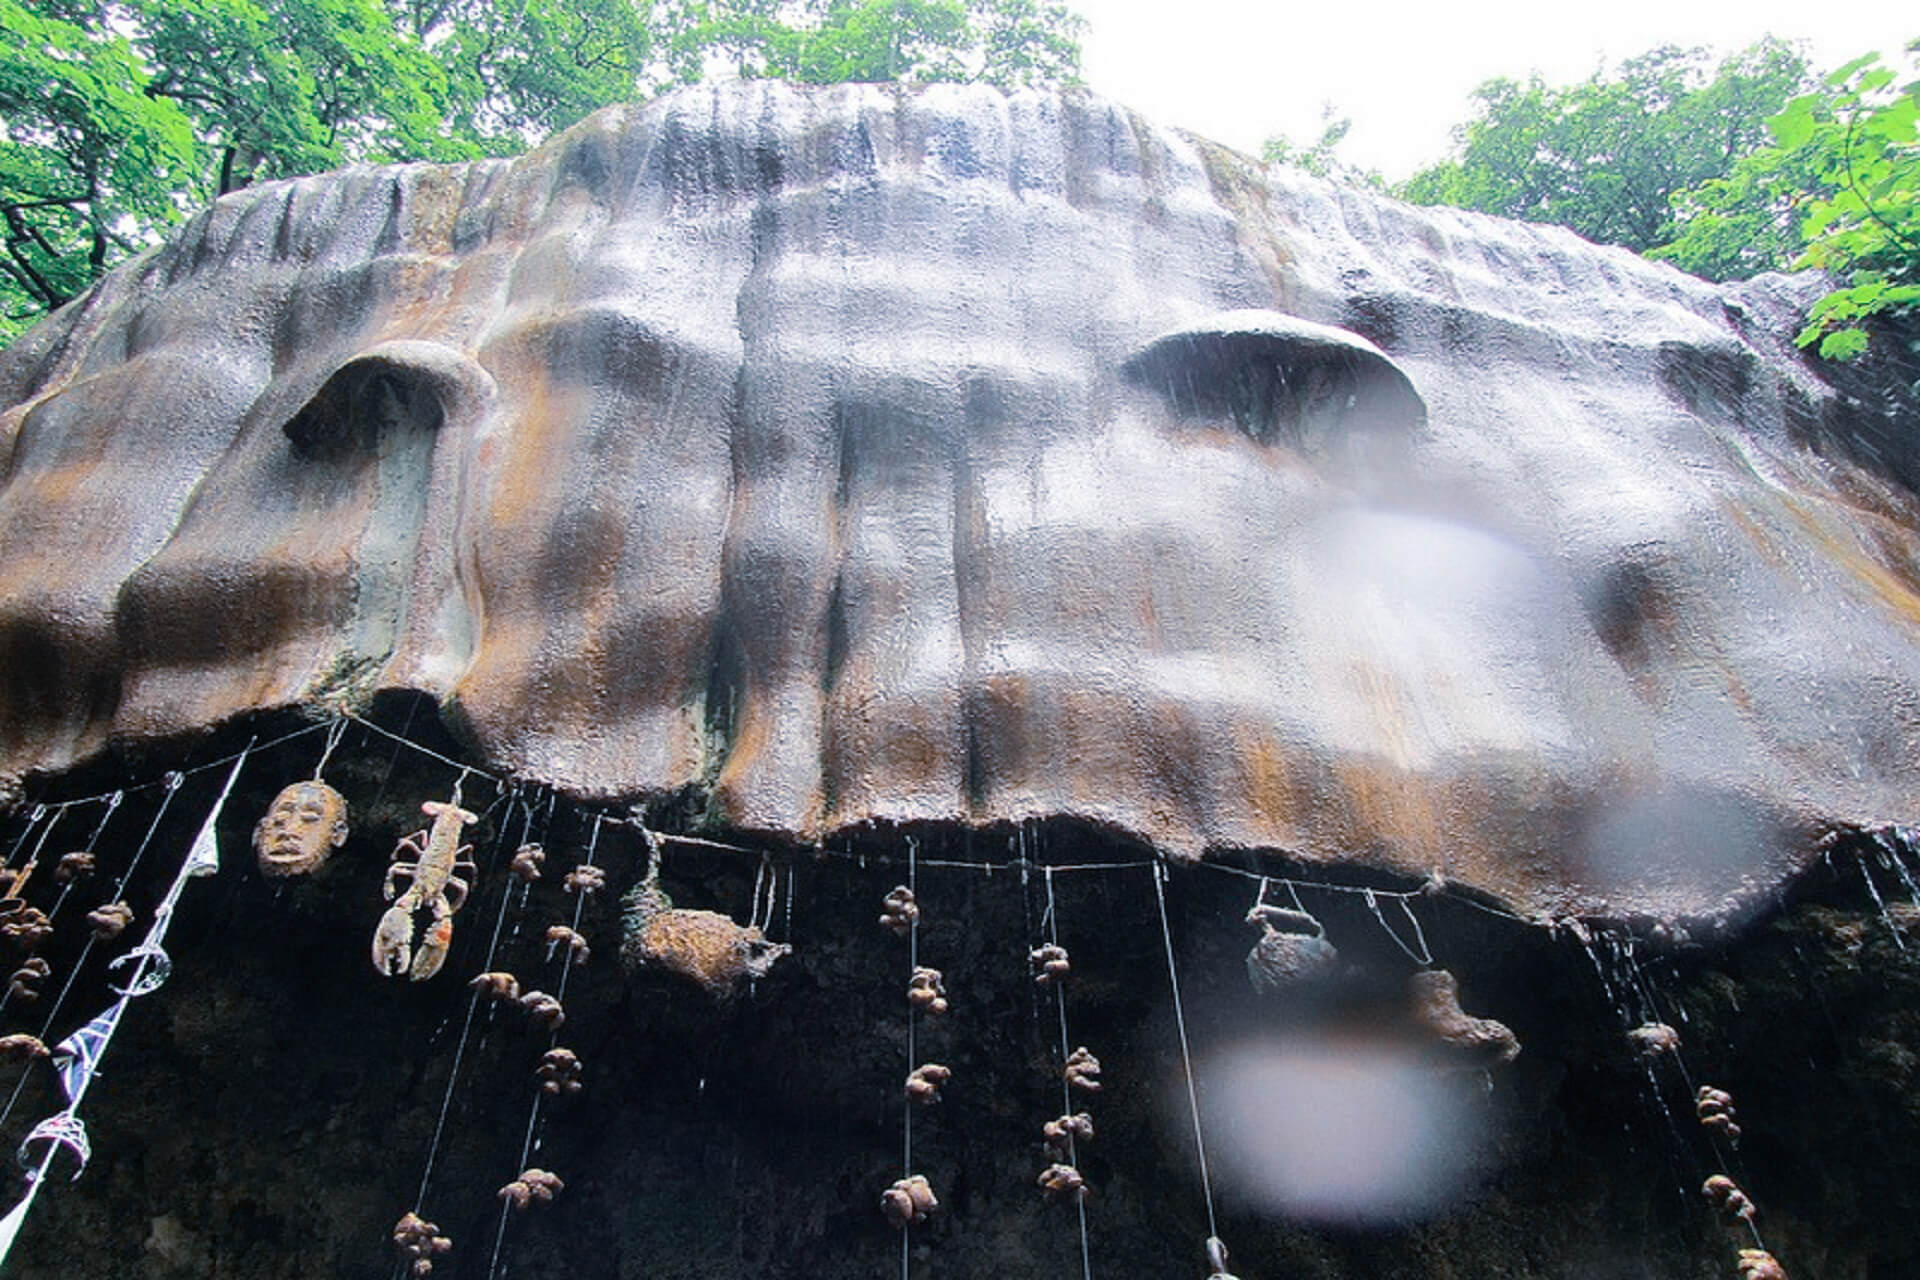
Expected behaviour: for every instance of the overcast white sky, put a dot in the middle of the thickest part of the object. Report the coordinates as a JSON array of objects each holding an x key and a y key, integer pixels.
[{"x": 1240, "y": 71}]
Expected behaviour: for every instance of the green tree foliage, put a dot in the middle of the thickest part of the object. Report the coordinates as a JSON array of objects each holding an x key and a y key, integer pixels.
[
  {"x": 1321, "y": 157},
  {"x": 1606, "y": 156},
  {"x": 90, "y": 166},
  {"x": 1864, "y": 223},
  {"x": 118, "y": 116},
  {"x": 1002, "y": 42}
]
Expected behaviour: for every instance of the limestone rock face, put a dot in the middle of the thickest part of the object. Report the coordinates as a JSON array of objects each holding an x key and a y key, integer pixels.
[{"x": 867, "y": 453}]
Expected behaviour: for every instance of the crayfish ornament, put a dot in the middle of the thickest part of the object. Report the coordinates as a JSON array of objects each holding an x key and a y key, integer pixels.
[{"x": 436, "y": 886}]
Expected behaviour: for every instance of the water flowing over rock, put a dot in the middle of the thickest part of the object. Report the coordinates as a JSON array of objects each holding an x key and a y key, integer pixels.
[{"x": 938, "y": 456}]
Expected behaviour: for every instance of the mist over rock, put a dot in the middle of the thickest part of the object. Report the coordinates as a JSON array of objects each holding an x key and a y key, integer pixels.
[{"x": 937, "y": 456}]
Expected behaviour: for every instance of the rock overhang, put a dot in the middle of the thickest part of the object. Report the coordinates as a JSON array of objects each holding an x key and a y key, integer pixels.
[{"x": 865, "y": 454}]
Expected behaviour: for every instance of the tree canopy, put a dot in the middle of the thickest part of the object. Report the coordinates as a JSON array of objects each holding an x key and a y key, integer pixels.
[
  {"x": 118, "y": 117},
  {"x": 1607, "y": 155}
]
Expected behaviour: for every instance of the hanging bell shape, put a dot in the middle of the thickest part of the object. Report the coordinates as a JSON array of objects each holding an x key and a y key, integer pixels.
[{"x": 1292, "y": 951}]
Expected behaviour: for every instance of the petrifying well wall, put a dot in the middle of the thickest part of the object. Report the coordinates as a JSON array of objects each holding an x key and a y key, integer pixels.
[{"x": 855, "y": 454}]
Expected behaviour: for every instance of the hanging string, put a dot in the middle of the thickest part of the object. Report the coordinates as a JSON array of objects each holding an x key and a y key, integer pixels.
[
  {"x": 172, "y": 782},
  {"x": 1051, "y": 923},
  {"x": 335, "y": 731},
  {"x": 913, "y": 1018},
  {"x": 1186, "y": 1055},
  {"x": 165, "y": 780},
  {"x": 405, "y": 741},
  {"x": 1422, "y": 957},
  {"x": 33, "y": 860},
  {"x": 473, "y": 1002},
  {"x": 528, "y": 1144},
  {"x": 38, "y": 812}
]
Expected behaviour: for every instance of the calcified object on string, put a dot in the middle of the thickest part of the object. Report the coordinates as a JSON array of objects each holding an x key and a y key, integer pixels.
[
  {"x": 1714, "y": 1107},
  {"x": 525, "y": 863},
  {"x": 544, "y": 1010},
  {"x": 535, "y": 1186},
  {"x": 1082, "y": 1071},
  {"x": 1064, "y": 1134},
  {"x": 1063, "y": 1182},
  {"x": 924, "y": 1083},
  {"x": 25, "y": 982},
  {"x": 1652, "y": 1039},
  {"x": 561, "y": 936},
  {"x": 899, "y": 911},
  {"x": 1725, "y": 1195},
  {"x": 305, "y": 823},
  {"x": 1460, "y": 1040},
  {"x": 420, "y": 1242},
  {"x": 435, "y": 885},
  {"x": 1049, "y": 964},
  {"x": 1758, "y": 1264},
  {"x": 909, "y": 1201},
  {"x": 559, "y": 1073},
  {"x": 25, "y": 927},
  {"x": 720, "y": 956},
  {"x": 585, "y": 880},
  {"x": 1217, "y": 1260},
  {"x": 72, "y": 867},
  {"x": 927, "y": 991},
  {"x": 1292, "y": 950},
  {"x": 109, "y": 921},
  {"x": 21, "y": 1047},
  {"x": 496, "y": 985}
]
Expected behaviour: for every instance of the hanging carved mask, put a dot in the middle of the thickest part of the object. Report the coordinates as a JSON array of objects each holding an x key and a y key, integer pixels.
[
  {"x": 1292, "y": 950},
  {"x": 306, "y": 822}
]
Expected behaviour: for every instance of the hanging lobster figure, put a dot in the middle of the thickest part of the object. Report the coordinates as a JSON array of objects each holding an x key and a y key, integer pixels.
[{"x": 436, "y": 884}]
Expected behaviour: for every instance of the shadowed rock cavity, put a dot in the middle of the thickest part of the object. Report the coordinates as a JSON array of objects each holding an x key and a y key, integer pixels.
[{"x": 942, "y": 456}]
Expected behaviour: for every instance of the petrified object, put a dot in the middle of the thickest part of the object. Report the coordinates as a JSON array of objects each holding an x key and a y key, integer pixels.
[
  {"x": 305, "y": 823},
  {"x": 927, "y": 991},
  {"x": 1714, "y": 1108},
  {"x": 1082, "y": 1071},
  {"x": 559, "y": 1073},
  {"x": 109, "y": 921},
  {"x": 1462, "y": 1041},
  {"x": 436, "y": 886},
  {"x": 1049, "y": 964},
  {"x": 24, "y": 984},
  {"x": 534, "y": 1186},
  {"x": 1063, "y": 1182},
  {"x": 1217, "y": 1260},
  {"x": 420, "y": 1242},
  {"x": 1066, "y": 1132},
  {"x": 496, "y": 985},
  {"x": 899, "y": 911},
  {"x": 925, "y": 1081},
  {"x": 705, "y": 946},
  {"x": 1758, "y": 1264},
  {"x": 526, "y": 861},
  {"x": 560, "y": 935},
  {"x": 585, "y": 880},
  {"x": 909, "y": 1201},
  {"x": 24, "y": 926},
  {"x": 1292, "y": 949},
  {"x": 544, "y": 1009},
  {"x": 73, "y": 866},
  {"x": 1726, "y": 1196},
  {"x": 1652, "y": 1039},
  {"x": 21, "y": 1047}
]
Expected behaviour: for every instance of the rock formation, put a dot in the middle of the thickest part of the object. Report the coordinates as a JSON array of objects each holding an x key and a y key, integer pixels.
[{"x": 876, "y": 454}]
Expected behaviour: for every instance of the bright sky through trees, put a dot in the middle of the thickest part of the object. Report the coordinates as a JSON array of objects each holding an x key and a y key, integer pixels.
[{"x": 1241, "y": 71}]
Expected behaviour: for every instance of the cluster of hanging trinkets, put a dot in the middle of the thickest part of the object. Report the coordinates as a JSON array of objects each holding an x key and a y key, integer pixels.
[
  {"x": 911, "y": 1201},
  {"x": 134, "y": 973},
  {"x": 1062, "y": 1181}
]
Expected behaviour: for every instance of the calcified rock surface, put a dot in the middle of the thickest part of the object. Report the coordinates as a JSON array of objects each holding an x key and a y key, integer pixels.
[{"x": 861, "y": 454}]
